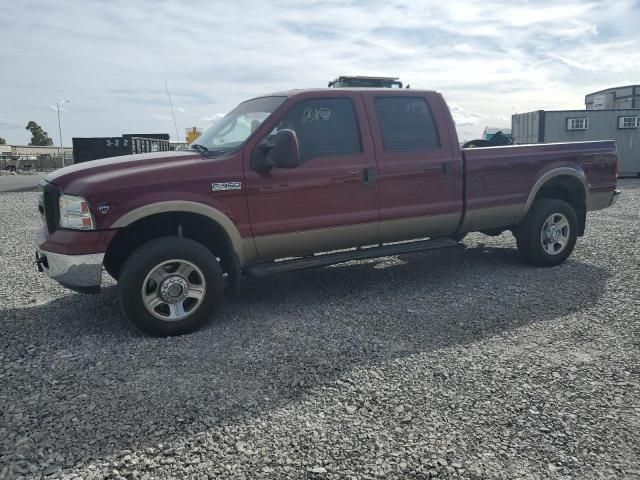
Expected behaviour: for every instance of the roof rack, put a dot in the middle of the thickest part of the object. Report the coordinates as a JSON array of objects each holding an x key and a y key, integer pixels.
[{"x": 360, "y": 81}]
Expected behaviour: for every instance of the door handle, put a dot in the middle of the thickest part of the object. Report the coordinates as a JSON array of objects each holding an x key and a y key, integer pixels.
[
  {"x": 353, "y": 172},
  {"x": 369, "y": 175}
]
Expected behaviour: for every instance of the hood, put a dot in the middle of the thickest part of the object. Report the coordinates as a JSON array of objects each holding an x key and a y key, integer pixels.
[{"x": 108, "y": 166}]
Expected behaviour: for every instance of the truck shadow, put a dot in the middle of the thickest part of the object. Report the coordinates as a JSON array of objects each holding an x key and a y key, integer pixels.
[{"x": 101, "y": 387}]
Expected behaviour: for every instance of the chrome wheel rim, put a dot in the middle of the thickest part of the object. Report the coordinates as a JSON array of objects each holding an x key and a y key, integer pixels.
[
  {"x": 555, "y": 234},
  {"x": 173, "y": 290}
]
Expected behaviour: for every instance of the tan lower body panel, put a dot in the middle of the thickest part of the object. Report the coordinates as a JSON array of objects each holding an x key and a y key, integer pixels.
[
  {"x": 492, "y": 217},
  {"x": 318, "y": 240},
  {"x": 598, "y": 201},
  {"x": 249, "y": 251},
  {"x": 400, "y": 229},
  {"x": 334, "y": 238}
]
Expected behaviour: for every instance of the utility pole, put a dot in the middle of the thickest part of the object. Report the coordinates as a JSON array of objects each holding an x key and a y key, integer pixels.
[
  {"x": 58, "y": 103},
  {"x": 175, "y": 124}
]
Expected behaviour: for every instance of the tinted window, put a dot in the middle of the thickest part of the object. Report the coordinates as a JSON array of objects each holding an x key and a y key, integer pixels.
[
  {"x": 406, "y": 124},
  {"x": 325, "y": 127}
]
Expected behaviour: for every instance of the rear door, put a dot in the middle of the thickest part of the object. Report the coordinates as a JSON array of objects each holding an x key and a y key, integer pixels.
[
  {"x": 419, "y": 165},
  {"x": 328, "y": 201}
]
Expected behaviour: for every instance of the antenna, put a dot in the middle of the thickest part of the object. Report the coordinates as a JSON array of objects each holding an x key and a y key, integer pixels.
[{"x": 172, "y": 114}]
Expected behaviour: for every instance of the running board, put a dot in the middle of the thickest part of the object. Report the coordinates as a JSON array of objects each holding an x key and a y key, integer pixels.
[{"x": 263, "y": 269}]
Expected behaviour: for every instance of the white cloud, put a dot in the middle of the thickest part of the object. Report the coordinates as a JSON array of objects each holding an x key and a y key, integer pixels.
[
  {"x": 161, "y": 117},
  {"x": 55, "y": 108},
  {"x": 9, "y": 125},
  {"x": 463, "y": 118},
  {"x": 213, "y": 118},
  {"x": 489, "y": 58}
]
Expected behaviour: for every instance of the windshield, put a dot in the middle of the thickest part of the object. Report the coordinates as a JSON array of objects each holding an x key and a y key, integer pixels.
[{"x": 232, "y": 130}]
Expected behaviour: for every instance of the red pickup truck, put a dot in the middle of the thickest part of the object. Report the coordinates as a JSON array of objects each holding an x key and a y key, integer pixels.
[{"x": 286, "y": 180}]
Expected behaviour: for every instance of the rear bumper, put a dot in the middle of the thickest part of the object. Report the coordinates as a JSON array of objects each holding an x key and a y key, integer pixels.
[{"x": 81, "y": 273}]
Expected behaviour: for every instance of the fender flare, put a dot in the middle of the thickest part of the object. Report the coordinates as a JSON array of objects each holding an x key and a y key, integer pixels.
[
  {"x": 190, "y": 207},
  {"x": 551, "y": 174}
]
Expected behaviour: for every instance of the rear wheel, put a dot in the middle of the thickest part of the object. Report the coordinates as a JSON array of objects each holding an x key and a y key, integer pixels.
[
  {"x": 170, "y": 286},
  {"x": 547, "y": 235}
]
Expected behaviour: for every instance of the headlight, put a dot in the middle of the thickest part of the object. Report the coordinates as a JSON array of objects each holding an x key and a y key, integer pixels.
[{"x": 75, "y": 213}]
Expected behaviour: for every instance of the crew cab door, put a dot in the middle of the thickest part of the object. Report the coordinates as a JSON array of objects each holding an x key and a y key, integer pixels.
[
  {"x": 419, "y": 165},
  {"x": 330, "y": 200}
]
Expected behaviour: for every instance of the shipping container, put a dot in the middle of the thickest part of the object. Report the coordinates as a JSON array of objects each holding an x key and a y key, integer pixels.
[{"x": 86, "y": 149}]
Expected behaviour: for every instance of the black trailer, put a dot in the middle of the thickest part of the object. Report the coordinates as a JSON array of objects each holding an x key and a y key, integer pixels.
[{"x": 93, "y": 148}]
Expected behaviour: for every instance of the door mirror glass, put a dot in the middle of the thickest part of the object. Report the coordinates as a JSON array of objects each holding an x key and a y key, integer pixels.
[{"x": 284, "y": 151}]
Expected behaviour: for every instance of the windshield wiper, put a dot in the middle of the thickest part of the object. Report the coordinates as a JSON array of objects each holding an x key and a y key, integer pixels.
[{"x": 198, "y": 147}]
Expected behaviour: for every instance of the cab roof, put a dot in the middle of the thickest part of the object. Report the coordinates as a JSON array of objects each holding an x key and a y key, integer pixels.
[{"x": 336, "y": 91}]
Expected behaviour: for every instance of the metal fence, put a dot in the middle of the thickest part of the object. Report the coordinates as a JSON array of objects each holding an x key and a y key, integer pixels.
[{"x": 40, "y": 163}]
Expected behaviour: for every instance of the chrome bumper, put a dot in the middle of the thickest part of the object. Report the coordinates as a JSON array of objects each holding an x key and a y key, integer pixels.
[{"x": 81, "y": 273}]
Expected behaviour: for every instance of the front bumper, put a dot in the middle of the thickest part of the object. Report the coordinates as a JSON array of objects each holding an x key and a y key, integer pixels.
[{"x": 81, "y": 273}]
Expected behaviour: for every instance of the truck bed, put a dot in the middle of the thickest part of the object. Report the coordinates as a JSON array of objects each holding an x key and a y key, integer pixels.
[{"x": 500, "y": 181}]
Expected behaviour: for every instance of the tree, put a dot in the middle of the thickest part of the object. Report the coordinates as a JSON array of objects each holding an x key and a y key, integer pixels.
[
  {"x": 38, "y": 136},
  {"x": 2, "y": 141}
]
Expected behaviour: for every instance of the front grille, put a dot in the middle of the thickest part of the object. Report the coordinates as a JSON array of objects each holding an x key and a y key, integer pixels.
[{"x": 50, "y": 197}]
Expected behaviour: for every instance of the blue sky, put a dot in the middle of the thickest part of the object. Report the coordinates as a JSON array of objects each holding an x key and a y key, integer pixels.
[{"x": 489, "y": 59}]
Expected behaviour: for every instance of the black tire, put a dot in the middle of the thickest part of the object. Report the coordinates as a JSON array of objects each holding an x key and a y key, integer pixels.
[
  {"x": 529, "y": 233},
  {"x": 144, "y": 260},
  {"x": 113, "y": 268}
]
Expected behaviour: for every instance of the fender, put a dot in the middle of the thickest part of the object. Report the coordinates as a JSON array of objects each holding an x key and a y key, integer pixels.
[
  {"x": 244, "y": 249},
  {"x": 553, "y": 173}
]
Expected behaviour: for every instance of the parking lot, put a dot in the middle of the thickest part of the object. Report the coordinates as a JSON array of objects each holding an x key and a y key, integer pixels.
[{"x": 450, "y": 364}]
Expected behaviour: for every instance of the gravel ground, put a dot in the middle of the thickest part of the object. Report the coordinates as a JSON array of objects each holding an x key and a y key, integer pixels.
[
  {"x": 22, "y": 182},
  {"x": 461, "y": 364}
]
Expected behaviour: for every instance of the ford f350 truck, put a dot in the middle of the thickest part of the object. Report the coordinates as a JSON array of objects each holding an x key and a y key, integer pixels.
[{"x": 300, "y": 179}]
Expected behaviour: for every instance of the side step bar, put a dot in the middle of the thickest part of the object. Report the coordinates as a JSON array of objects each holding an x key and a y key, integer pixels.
[{"x": 263, "y": 269}]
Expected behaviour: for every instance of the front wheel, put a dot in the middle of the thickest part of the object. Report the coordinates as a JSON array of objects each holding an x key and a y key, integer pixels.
[
  {"x": 170, "y": 286},
  {"x": 547, "y": 235}
]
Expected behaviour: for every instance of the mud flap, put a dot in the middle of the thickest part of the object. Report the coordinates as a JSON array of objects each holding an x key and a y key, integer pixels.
[{"x": 233, "y": 277}]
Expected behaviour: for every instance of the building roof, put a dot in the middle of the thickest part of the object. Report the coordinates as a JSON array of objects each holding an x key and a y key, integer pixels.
[
  {"x": 583, "y": 111},
  {"x": 612, "y": 88},
  {"x": 10, "y": 145}
]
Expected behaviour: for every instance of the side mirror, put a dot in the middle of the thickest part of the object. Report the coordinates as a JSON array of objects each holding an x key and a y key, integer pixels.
[
  {"x": 280, "y": 150},
  {"x": 284, "y": 151}
]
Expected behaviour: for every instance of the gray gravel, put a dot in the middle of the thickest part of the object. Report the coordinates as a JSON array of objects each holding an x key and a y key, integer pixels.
[
  {"x": 465, "y": 364},
  {"x": 21, "y": 182}
]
